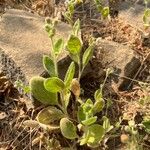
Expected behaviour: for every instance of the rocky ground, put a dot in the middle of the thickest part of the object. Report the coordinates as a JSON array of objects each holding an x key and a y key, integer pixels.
[{"x": 122, "y": 43}]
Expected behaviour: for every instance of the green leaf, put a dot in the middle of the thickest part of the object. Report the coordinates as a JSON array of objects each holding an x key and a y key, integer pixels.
[
  {"x": 40, "y": 93},
  {"x": 76, "y": 27},
  {"x": 68, "y": 129},
  {"x": 54, "y": 85},
  {"x": 96, "y": 132},
  {"x": 105, "y": 12},
  {"x": 49, "y": 115},
  {"x": 98, "y": 95},
  {"x": 146, "y": 124},
  {"x": 87, "y": 55},
  {"x": 58, "y": 46},
  {"x": 89, "y": 121},
  {"x": 92, "y": 135},
  {"x": 49, "y": 65},
  {"x": 98, "y": 106},
  {"x": 75, "y": 58},
  {"x": 106, "y": 124},
  {"x": 69, "y": 75},
  {"x": 74, "y": 45},
  {"x": 81, "y": 115},
  {"x": 67, "y": 98}
]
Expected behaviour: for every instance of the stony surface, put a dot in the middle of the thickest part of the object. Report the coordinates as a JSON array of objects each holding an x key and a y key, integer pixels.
[
  {"x": 132, "y": 12},
  {"x": 122, "y": 58},
  {"x": 24, "y": 41}
]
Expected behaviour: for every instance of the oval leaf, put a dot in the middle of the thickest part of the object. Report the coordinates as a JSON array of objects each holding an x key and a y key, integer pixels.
[
  {"x": 74, "y": 45},
  {"x": 98, "y": 106},
  {"x": 76, "y": 27},
  {"x": 49, "y": 115},
  {"x": 49, "y": 65},
  {"x": 69, "y": 75},
  {"x": 98, "y": 95},
  {"x": 89, "y": 121},
  {"x": 105, "y": 12},
  {"x": 87, "y": 55},
  {"x": 96, "y": 133},
  {"x": 58, "y": 46},
  {"x": 68, "y": 129},
  {"x": 54, "y": 85},
  {"x": 40, "y": 93}
]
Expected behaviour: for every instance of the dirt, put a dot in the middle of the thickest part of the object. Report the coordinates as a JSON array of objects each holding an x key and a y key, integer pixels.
[{"x": 14, "y": 108}]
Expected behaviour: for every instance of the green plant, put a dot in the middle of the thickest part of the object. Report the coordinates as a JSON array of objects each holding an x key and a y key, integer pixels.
[
  {"x": 56, "y": 92},
  {"x": 133, "y": 137},
  {"x": 70, "y": 10},
  {"x": 103, "y": 10},
  {"x": 146, "y": 16}
]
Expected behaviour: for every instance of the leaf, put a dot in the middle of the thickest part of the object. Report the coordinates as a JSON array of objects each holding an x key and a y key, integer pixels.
[
  {"x": 58, "y": 46},
  {"x": 68, "y": 129},
  {"x": 89, "y": 121},
  {"x": 74, "y": 45},
  {"x": 54, "y": 85},
  {"x": 146, "y": 124},
  {"x": 80, "y": 114},
  {"x": 98, "y": 95},
  {"x": 98, "y": 106},
  {"x": 87, "y": 55},
  {"x": 105, "y": 12},
  {"x": 96, "y": 132},
  {"x": 69, "y": 75},
  {"x": 106, "y": 124},
  {"x": 75, "y": 58},
  {"x": 40, "y": 93},
  {"x": 92, "y": 135},
  {"x": 67, "y": 98},
  {"x": 49, "y": 115},
  {"x": 76, "y": 27},
  {"x": 49, "y": 65}
]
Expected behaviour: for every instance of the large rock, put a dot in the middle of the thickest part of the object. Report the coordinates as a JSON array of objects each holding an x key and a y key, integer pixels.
[
  {"x": 122, "y": 58},
  {"x": 24, "y": 41},
  {"x": 132, "y": 13}
]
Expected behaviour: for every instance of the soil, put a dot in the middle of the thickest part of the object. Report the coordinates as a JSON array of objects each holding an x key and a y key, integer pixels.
[{"x": 15, "y": 108}]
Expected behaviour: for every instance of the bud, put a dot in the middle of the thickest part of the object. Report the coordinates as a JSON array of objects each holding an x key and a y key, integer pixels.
[{"x": 75, "y": 87}]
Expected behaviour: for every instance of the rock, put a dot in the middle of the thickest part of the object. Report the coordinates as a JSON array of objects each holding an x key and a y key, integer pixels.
[
  {"x": 122, "y": 58},
  {"x": 132, "y": 13},
  {"x": 24, "y": 41}
]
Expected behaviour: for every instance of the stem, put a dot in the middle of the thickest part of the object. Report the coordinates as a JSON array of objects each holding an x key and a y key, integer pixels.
[
  {"x": 54, "y": 57},
  {"x": 63, "y": 104},
  {"x": 80, "y": 68}
]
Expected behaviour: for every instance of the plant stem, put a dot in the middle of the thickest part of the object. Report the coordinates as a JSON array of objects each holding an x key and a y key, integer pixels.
[{"x": 80, "y": 68}]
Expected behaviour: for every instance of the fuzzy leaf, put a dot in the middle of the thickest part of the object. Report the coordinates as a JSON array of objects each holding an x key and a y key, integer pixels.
[
  {"x": 49, "y": 115},
  {"x": 87, "y": 55},
  {"x": 40, "y": 93},
  {"x": 69, "y": 75},
  {"x": 49, "y": 65},
  {"x": 54, "y": 85},
  {"x": 89, "y": 121},
  {"x": 98, "y": 95},
  {"x": 76, "y": 27},
  {"x": 58, "y": 46},
  {"x": 98, "y": 106},
  {"x": 106, "y": 124},
  {"x": 68, "y": 129},
  {"x": 96, "y": 133},
  {"x": 80, "y": 114},
  {"x": 74, "y": 45}
]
